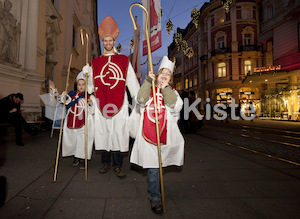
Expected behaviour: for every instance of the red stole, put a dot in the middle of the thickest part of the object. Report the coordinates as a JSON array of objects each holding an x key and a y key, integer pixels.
[
  {"x": 76, "y": 115},
  {"x": 110, "y": 82},
  {"x": 149, "y": 127}
]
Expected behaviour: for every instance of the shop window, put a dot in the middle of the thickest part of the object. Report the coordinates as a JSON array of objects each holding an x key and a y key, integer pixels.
[
  {"x": 247, "y": 67},
  {"x": 222, "y": 69}
]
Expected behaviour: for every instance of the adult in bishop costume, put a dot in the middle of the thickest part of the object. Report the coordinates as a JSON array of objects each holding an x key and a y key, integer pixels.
[
  {"x": 144, "y": 151},
  {"x": 74, "y": 126},
  {"x": 109, "y": 75}
]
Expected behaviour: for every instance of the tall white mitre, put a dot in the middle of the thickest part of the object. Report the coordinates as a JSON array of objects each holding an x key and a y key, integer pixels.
[{"x": 166, "y": 63}]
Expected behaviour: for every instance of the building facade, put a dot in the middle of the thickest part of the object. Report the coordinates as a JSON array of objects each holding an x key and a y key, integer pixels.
[
  {"x": 42, "y": 34},
  {"x": 234, "y": 47},
  {"x": 279, "y": 73}
]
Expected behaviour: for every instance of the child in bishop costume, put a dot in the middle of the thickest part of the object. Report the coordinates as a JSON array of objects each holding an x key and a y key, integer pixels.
[
  {"x": 144, "y": 152},
  {"x": 74, "y": 126}
]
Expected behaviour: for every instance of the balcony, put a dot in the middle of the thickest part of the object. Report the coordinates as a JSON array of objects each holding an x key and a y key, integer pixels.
[
  {"x": 250, "y": 48},
  {"x": 220, "y": 51}
]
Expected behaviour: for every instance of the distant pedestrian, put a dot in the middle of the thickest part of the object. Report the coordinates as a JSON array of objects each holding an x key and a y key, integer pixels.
[
  {"x": 144, "y": 152},
  {"x": 74, "y": 126}
]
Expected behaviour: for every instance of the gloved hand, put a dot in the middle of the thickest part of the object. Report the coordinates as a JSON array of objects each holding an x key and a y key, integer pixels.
[{"x": 87, "y": 69}]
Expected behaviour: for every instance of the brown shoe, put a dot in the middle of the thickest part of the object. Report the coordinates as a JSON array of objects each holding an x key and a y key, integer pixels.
[
  {"x": 105, "y": 168},
  {"x": 119, "y": 172}
]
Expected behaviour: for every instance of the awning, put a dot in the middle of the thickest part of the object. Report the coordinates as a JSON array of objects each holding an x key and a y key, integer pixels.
[{"x": 264, "y": 77}]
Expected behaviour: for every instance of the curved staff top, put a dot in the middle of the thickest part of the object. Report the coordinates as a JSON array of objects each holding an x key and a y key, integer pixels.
[{"x": 154, "y": 99}]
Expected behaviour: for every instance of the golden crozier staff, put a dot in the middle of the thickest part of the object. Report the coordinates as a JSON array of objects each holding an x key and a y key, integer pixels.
[{"x": 154, "y": 98}]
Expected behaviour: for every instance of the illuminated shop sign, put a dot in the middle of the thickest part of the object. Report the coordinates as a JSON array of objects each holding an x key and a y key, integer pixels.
[{"x": 270, "y": 68}]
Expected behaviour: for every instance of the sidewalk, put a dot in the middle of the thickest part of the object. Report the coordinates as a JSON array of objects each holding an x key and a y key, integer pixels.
[{"x": 216, "y": 181}]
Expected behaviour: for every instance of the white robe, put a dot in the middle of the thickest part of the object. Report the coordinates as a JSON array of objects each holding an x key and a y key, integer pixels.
[
  {"x": 112, "y": 134},
  {"x": 145, "y": 154},
  {"x": 73, "y": 143}
]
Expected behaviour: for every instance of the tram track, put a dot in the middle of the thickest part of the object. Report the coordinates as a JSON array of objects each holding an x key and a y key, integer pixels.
[
  {"x": 270, "y": 131},
  {"x": 273, "y": 143},
  {"x": 251, "y": 150}
]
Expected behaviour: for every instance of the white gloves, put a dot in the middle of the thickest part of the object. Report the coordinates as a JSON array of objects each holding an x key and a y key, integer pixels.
[
  {"x": 61, "y": 98},
  {"x": 87, "y": 69}
]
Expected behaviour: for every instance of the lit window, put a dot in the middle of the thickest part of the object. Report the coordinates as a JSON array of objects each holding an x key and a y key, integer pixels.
[
  {"x": 247, "y": 67},
  {"x": 186, "y": 83},
  {"x": 195, "y": 80},
  {"x": 191, "y": 82},
  {"x": 220, "y": 17},
  {"x": 221, "y": 69}
]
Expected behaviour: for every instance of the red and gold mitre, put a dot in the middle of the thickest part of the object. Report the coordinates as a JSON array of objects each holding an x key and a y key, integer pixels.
[{"x": 108, "y": 27}]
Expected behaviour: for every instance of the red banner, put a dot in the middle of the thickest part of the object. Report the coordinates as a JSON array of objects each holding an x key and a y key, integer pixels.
[
  {"x": 135, "y": 56},
  {"x": 155, "y": 25}
]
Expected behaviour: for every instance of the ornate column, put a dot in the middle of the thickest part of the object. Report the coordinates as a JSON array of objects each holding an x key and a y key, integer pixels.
[{"x": 30, "y": 64}]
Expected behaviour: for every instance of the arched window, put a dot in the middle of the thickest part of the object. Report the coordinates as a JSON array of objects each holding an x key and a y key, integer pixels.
[
  {"x": 221, "y": 69},
  {"x": 247, "y": 67}
]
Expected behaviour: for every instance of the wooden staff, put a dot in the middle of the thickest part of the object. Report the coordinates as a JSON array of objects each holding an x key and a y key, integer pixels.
[
  {"x": 154, "y": 99},
  {"x": 86, "y": 77},
  {"x": 62, "y": 121}
]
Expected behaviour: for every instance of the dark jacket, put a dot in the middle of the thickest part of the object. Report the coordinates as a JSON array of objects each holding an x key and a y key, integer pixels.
[{"x": 6, "y": 105}]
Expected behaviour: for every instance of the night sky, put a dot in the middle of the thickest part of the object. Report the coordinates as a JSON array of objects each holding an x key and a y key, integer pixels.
[{"x": 178, "y": 11}]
